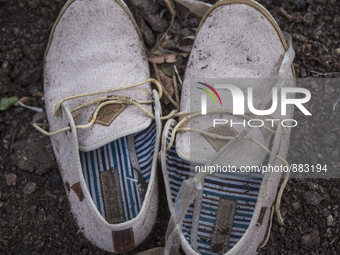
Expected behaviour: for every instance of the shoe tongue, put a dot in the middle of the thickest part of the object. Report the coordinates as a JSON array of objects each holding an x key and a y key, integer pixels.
[{"x": 113, "y": 121}]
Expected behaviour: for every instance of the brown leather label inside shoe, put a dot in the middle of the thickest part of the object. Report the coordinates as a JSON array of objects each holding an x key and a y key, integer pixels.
[
  {"x": 224, "y": 222},
  {"x": 223, "y": 130},
  {"x": 108, "y": 113},
  {"x": 77, "y": 189},
  {"x": 123, "y": 240},
  {"x": 113, "y": 204}
]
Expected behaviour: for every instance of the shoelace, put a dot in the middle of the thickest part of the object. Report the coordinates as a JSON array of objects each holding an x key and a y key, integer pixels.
[{"x": 192, "y": 187}]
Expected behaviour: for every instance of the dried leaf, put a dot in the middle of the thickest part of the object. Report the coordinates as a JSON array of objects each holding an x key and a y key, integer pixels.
[
  {"x": 192, "y": 37},
  {"x": 167, "y": 69},
  {"x": 157, "y": 59},
  {"x": 171, "y": 58},
  {"x": 197, "y": 7},
  {"x": 167, "y": 83},
  {"x": 6, "y": 102},
  {"x": 23, "y": 100},
  {"x": 184, "y": 55}
]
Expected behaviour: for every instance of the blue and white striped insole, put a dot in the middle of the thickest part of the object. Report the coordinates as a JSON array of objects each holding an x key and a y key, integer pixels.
[
  {"x": 115, "y": 155},
  {"x": 243, "y": 190}
]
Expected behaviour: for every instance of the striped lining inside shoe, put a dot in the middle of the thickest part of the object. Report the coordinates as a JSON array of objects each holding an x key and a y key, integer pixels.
[
  {"x": 243, "y": 190},
  {"x": 115, "y": 155}
]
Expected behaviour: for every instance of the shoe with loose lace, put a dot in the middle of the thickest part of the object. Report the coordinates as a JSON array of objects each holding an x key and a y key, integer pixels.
[
  {"x": 228, "y": 213},
  {"x": 104, "y": 122}
]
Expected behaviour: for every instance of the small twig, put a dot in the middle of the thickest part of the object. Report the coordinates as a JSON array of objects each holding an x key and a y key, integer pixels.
[
  {"x": 174, "y": 79},
  {"x": 79, "y": 230},
  {"x": 319, "y": 27},
  {"x": 284, "y": 13},
  {"x": 179, "y": 77},
  {"x": 325, "y": 47}
]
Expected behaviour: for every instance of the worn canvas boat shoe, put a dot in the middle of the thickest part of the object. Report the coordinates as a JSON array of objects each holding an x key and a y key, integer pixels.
[
  {"x": 104, "y": 120},
  {"x": 228, "y": 213}
]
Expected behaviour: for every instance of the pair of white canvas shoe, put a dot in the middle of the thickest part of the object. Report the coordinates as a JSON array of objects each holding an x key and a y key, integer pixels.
[{"x": 105, "y": 125}]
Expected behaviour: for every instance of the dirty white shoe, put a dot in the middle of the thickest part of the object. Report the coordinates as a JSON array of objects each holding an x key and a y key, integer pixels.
[
  {"x": 226, "y": 213},
  {"x": 106, "y": 130}
]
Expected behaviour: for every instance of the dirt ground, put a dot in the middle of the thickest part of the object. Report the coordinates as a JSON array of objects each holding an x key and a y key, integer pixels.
[{"x": 35, "y": 217}]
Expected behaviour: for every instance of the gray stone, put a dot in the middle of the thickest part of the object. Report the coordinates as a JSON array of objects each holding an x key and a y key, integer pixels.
[
  {"x": 337, "y": 51},
  {"x": 185, "y": 32},
  {"x": 34, "y": 154},
  {"x": 194, "y": 22},
  {"x": 11, "y": 179},
  {"x": 299, "y": 37},
  {"x": 30, "y": 187},
  {"x": 310, "y": 239},
  {"x": 313, "y": 186},
  {"x": 312, "y": 197},
  {"x": 16, "y": 31},
  {"x": 296, "y": 206},
  {"x": 176, "y": 26},
  {"x": 330, "y": 220}
]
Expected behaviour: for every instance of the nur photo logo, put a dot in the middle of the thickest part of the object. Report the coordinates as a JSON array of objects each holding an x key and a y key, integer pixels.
[{"x": 238, "y": 102}]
